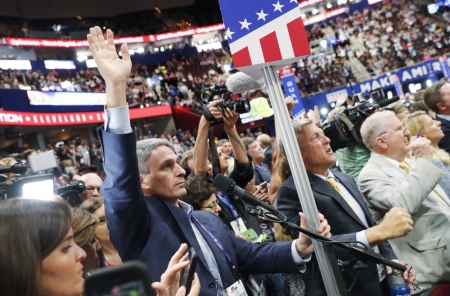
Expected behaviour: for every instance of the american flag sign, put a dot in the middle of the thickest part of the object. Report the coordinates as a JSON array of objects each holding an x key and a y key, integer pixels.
[{"x": 264, "y": 32}]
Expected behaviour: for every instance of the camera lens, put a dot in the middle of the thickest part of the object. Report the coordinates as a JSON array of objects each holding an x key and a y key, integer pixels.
[{"x": 241, "y": 106}]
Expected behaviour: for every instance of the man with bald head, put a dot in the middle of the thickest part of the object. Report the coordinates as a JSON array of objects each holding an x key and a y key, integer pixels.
[{"x": 92, "y": 182}]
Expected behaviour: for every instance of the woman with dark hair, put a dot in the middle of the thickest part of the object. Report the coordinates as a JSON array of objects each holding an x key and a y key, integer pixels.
[
  {"x": 38, "y": 255},
  {"x": 200, "y": 194},
  {"x": 83, "y": 225},
  {"x": 108, "y": 254}
]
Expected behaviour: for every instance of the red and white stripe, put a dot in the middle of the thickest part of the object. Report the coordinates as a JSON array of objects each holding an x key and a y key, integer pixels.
[{"x": 280, "y": 39}]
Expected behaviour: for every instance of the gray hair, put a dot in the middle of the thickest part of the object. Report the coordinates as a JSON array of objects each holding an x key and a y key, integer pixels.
[
  {"x": 144, "y": 149},
  {"x": 373, "y": 126},
  {"x": 298, "y": 125},
  {"x": 247, "y": 141},
  {"x": 223, "y": 141}
]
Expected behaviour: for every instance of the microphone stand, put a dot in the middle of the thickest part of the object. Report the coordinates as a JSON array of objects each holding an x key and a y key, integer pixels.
[{"x": 362, "y": 254}]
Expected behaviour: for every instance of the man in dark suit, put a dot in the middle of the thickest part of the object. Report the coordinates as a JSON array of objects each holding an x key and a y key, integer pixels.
[
  {"x": 146, "y": 219},
  {"x": 266, "y": 144},
  {"x": 437, "y": 98},
  {"x": 338, "y": 198}
]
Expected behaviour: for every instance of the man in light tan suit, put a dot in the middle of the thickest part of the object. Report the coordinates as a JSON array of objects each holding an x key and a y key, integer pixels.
[{"x": 389, "y": 180}]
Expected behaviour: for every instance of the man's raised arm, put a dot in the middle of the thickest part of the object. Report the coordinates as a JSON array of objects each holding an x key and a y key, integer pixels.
[
  {"x": 201, "y": 144},
  {"x": 124, "y": 200}
]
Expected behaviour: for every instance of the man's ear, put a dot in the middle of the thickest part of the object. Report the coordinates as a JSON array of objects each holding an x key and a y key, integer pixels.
[
  {"x": 441, "y": 106},
  {"x": 380, "y": 143},
  {"x": 144, "y": 184}
]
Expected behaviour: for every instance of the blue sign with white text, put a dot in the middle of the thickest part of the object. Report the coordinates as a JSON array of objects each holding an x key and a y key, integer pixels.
[{"x": 291, "y": 89}]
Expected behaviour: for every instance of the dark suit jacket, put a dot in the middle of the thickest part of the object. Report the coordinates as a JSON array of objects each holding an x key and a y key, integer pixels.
[
  {"x": 344, "y": 226},
  {"x": 151, "y": 230},
  {"x": 261, "y": 174},
  {"x": 268, "y": 154},
  {"x": 445, "y": 142}
]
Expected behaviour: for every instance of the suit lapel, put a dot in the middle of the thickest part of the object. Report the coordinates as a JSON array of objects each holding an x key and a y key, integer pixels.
[
  {"x": 322, "y": 187},
  {"x": 185, "y": 226}
]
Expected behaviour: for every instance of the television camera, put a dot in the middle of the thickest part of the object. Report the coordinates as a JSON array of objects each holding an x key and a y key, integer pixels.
[{"x": 345, "y": 129}]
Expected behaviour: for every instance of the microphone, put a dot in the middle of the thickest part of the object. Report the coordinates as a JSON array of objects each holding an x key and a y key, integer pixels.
[
  {"x": 240, "y": 82},
  {"x": 384, "y": 103},
  {"x": 229, "y": 186}
]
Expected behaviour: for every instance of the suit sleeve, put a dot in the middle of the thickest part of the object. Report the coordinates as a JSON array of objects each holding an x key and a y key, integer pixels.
[
  {"x": 262, "y": 258},
  {"x": 125, "y": 206},
  {"x": 384, "y": 192}
]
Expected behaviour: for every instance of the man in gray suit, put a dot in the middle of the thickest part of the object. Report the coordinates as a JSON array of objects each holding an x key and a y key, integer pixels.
[
  {"x": 341, "y": 202},
  {"x": 389, "y": 180}
]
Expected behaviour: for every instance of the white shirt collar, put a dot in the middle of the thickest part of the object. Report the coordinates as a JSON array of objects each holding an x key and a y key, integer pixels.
[
  {"x": 443, "y": 116},
  {"x": 185, "y": 207},
  {"x": 329, "y": 175}
]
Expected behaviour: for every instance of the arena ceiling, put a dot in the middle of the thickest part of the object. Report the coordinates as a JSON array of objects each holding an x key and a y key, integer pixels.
[{"x": 39, "y": 9}]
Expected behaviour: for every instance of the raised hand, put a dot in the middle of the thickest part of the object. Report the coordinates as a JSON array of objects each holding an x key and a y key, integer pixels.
[{"x": 115, "y": 71}]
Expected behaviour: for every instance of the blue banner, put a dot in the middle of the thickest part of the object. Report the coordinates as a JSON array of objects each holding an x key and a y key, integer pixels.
[
  {"x": 445, "y": 67},
  {"x": 291, "y": 89},
  {"x": 430, "y": 71}
]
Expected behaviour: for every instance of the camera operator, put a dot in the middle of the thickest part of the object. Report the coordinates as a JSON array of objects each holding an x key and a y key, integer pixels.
[
  {"x": 352, "y": 158},
  {"x": 242, "y": 173},
  {"x": 233, "y": 211}
]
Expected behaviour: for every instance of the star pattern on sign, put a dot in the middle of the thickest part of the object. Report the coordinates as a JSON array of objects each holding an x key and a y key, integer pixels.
[
  {"x": 278, "y": 6},
  {"x": 245, "y": 24},
  {"x": 229, "y": 33},
  {"x": 261, "y": 15}
]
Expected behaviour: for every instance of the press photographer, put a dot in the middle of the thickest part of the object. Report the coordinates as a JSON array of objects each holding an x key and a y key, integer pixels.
[{"x": 344, "y": 130}]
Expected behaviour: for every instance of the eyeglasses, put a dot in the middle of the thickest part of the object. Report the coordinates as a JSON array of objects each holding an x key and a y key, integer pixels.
[
  {"x": 405, "y": 132},
  {"x": 91, "y": 189},
  {"x": 213, "y": 206}
]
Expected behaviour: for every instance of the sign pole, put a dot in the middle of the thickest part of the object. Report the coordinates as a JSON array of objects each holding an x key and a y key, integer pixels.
[{"x": 325, "y": 256}]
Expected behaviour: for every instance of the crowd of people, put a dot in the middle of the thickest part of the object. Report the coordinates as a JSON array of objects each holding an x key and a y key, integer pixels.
[
  {"x": 390, "y": 36},
  {"x": 156, "y": 194},
  {"x": 145, "y": 191}
]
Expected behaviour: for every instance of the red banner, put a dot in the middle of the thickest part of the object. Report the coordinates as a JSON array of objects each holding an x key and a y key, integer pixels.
[
  {"x": 14, "y": 118},
  {"x": 307, "y": 3},
  {"x": 35, "y": 42}
]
